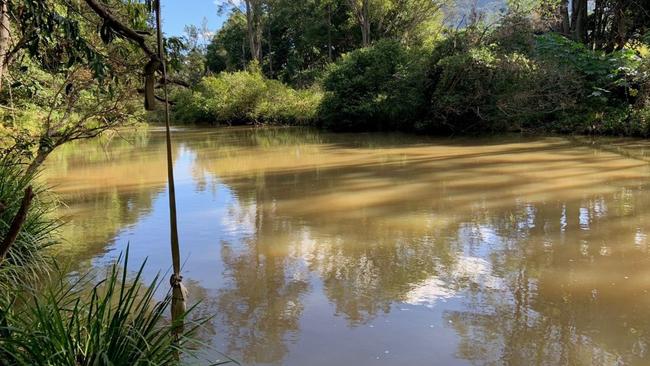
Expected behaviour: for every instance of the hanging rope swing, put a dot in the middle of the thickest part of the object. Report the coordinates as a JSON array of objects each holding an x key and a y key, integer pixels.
[{"x": 179, "y": 293}]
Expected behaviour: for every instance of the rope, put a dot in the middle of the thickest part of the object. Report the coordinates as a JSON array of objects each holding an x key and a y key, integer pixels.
[
  {"x": 176, "y": 260},
  {"x": 179, "y": 293}
]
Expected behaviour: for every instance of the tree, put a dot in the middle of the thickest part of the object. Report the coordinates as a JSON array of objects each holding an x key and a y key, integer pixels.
[
  {"x": 75, "y": 81},
  {"x": 4, "y": 37},
  {"x": 306, "y": 35},
  {"x": 607, "y": 25},
  {"x": 253, "y": 10},
  {"x": 74, "y": 67},
  {"x": 186, "y": 55},
  {"x": 229, "y": 48},
  {"x": 406, "y": 20},
  {"x": 396, "y": 19},
  {"x": 298, "y": 39},
  {"x": 361, "y": 11},
  {"x": 579, "y": 20},
  {"x": 614, "y": 23}
]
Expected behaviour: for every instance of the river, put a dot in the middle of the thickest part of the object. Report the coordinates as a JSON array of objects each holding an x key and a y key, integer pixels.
[{"x": 310, "y": 248}]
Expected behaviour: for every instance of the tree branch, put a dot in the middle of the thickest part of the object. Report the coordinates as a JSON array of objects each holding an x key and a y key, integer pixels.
[
  {"x": 120, "y": 27},
  {"x": 178, "y": 82}
]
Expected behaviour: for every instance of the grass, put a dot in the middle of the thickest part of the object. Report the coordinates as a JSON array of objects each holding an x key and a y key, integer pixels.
[
  {"x": 117, "y": 322},
  {"x": 27, "y": 259}
]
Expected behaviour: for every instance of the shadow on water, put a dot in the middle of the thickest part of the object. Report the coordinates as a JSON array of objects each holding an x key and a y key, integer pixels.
[{"x": 316, "y": 249}]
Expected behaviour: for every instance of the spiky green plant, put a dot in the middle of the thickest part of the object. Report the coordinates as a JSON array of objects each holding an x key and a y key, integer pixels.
[
  {"x": 26, "y": 258},
  {"x": 78, "y": 322}
]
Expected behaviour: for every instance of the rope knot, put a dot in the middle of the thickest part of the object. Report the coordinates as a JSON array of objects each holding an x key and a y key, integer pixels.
[{"x": 176, "y": 280}]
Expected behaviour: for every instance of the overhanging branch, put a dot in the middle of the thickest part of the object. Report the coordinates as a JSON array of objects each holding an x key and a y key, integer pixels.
[{"x": 120, "y": 27}]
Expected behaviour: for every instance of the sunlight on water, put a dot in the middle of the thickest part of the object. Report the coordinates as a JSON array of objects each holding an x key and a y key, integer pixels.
[{"x": 321, "y": 249}]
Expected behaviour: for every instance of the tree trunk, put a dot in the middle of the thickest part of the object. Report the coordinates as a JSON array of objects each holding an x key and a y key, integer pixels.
[
  {"x": 243, "y": 53},
  {"x": 362, "y": 13},
  {"x": 16, "y": 224},
  {"x": 4, "y": 38},
  {"x": 253, "y": 29},
  {"x": 579, "y": 20},
  {"x": 270, "y": 53},
  {"x": 329, "y": 32},
  {"x": 565, "y": 24},
  {"x": 619, "y": 33},
  {"x": 365, "y": 25}
]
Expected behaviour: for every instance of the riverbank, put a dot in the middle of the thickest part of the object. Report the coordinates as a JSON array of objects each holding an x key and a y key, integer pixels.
[{"x": 470, "y": 83}]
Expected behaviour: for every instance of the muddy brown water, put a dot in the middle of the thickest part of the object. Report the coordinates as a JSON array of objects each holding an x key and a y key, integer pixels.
[{"x": 311, "y": 248}]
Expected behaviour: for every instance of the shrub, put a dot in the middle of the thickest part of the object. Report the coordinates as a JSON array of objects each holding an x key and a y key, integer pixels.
[
  {"x": 608, "y": 78},
  {"x": 518, "y": 81},
  {"x": 244, "y": 97},
  {"x": 117, "y": 322},
  {"x": 376, "y": 88},
  {"x": 473, "y": 81},
  {"x": 477, "y": 87},
  {"x": 26, "y": 258},
  {"x": 514, "y": 34},
  {"x": 282, "y": 104},
  {"x": 610, "y": 85}
]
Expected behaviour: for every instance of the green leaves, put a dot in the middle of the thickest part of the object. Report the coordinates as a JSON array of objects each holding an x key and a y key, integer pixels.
[
  {"x": 375, "y": 88},
  {"x": 54, "y": 35},
  {"x": 26, "y": 259},
  {"x": 244, "y": 97},
  {"x": 76, "y": 321}
]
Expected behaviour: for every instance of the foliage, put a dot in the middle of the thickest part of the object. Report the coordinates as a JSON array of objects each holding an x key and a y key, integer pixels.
[
  {"x": 243, "y": 97},
  {"x": 70, "y": 73},
  {"x": 299, "y": 38},
  {"x": 610, "y": 84},
  {"x": 26, "y": 259},
  {"x": 186, "y": 54},
  {"x": 599, "y": 69},
  {"x": 494, "y": 84},
  {"x": 228, "y": 49},
  {"x": 375, "y": 88},
  {"x": 117, "y": 322},
  {"x": 475, "y": 80}
]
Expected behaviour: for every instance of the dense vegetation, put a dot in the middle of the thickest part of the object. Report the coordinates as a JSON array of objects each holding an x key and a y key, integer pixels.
[
  {"x": 245, "y": 96},
  {"x": 445, "y": 67},
  {"x": 82, "y": 321},
  {"x": 526, "y": 70}
]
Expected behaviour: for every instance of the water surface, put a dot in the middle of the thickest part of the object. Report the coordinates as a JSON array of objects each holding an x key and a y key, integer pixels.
[{"x": 321, "y": 249}]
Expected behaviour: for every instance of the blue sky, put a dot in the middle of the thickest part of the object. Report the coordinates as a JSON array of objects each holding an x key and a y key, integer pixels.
[{"x": 178, "y": 13}]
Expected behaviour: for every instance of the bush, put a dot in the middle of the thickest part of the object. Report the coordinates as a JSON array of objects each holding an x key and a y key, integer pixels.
[
  {"x": 26, "y": 258},
  {"x": 245, "y": 97},
  {"x": 511, "y": 79},
  {"x": 376, "y": 88},
  {"x": 514, "y": 34},
  {"x": 479, "y": 85},
  {"x": 73, "y": 322},
  {"x": 609, "y": 86},
  {"x": 282, "y": 104}
]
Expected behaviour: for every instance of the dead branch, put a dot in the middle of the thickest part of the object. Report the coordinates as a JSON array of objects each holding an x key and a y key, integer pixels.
[{"x": 16, "y": 224}]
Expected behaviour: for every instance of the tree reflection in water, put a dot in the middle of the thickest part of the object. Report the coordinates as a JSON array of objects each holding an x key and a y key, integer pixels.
[{"x": 529, "y": 251}]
